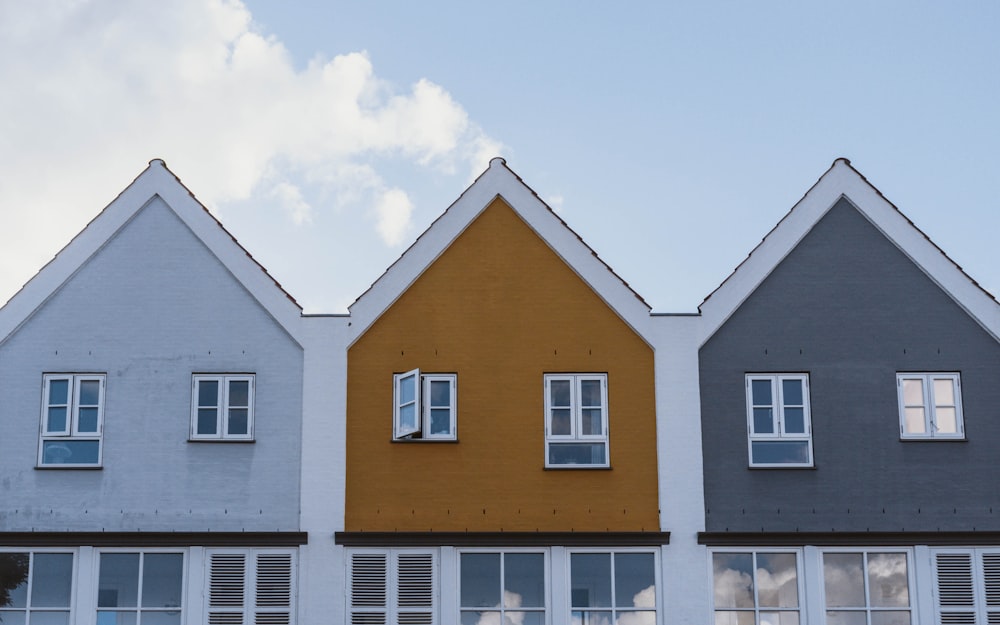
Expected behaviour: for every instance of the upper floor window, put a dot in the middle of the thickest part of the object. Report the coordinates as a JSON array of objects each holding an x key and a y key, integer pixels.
[
  {"x": 424, "y": 406},
  {"x": 930, "y": 405},
  {"x": 222, "y": 406},
  {"x": 576, "y": 420},
  {"x": 72, "y": 420},
  {"x": 778, "y": 420},
  {"x": 35, "y": 587}
]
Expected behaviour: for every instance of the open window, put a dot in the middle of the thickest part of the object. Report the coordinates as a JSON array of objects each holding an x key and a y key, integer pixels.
[{"x": 424, "y": 406}]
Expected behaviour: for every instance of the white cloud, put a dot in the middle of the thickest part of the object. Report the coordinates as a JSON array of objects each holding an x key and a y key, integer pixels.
[{"x": 93, "y": 90}]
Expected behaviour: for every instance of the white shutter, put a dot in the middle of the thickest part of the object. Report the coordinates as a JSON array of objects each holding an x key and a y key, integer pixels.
[
  {"x": 415, "y": 588},
  {"x": 273, "y": 597},
  {"x": 251, "y": 587},
  {"x": 392, "y": 587},
  {"x": 226, "y": 588},
  {"x": 368, "y": 580},
  {"x": 991, "y": 586}
]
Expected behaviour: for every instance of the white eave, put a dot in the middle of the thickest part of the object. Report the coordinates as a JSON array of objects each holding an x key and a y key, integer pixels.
[
  {"x": 843, "y": 181},
  {"x": 155, "y": 181},
  {"x": 499, "y": 181}
]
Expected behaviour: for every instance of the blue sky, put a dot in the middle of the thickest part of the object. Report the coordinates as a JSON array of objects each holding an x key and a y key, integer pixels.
[{"x": 327, "y": 135}]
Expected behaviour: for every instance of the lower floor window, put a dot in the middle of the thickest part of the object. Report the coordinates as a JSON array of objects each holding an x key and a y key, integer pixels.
[
  {"x": 140, "y": 588},
  {"x": 502, "y": 588},
  {"x": 756, "y": 588},
  {"x": 35, "y": 587},
  {"x": 608, "y": 588},
  {"x": 866, "y": 588}
]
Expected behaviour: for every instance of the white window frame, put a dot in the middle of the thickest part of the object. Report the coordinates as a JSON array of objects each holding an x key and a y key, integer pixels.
[
  {"x": 222, "y": 406},
  {"x": 381, "y": 596},
  {"x": 778, "y": 417},
  {"x": 913, "y": 607},
  {"x": 240, "y": 597},
  {"x": 28, "y": 609},
  {"x": 72, "y": 430},
  {"x": 422, "y": 405},
  {"x": 800, "y": 573},
  {"x": 576, "y": 418},
  {"x": 547, "y": 576},
  {"x": 139, "y": 610},
  {"x": 930, "y": 406},
  {"x": 616, "y": 611}
]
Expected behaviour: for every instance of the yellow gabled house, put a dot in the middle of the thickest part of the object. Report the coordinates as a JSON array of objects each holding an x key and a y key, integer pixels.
[{"x": 501, "y": 427}]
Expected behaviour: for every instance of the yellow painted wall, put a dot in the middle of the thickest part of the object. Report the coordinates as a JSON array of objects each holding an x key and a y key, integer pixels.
[{"x": 500, "y": 309}]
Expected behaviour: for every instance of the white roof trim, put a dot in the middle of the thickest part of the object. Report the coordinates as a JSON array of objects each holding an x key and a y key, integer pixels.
[
  {"x": 499, "y": 180},
  {"x": 155, "y": 181},
  {"x": 842, "y": 180}
]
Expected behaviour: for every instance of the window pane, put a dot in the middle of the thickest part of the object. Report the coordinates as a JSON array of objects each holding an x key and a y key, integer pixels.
[
  {"x": 208, "y": 421},
  {"x": 90, "y": 391},
  {"x": 780, "y": 452},
  {"x": 118, "y": 584},
  {"x": 777, "y": 580},
  {"x": 523, "y": 618},
  {"x": 732, "y": 580},
  {"x": 524, "y": 580},
  {"x": 239, "y": 393},
  {"x": 844, "y": 580},
  {"x": 13, "y": 618},
  {"x": 51, "y": 581},
  {"x": 14, "y": 573},
  {"x": 577, "y": 453},
  {"x": 913, "y": 392},
  {"x": 635, "y": 580},
  {"x": 944, "y": 392},
  {"x": 238, "y": 421},
  {"x": 915, "y": 421},
  {"x": 636, "y": 618},
  {"x": 208, "y": 393},
  {"x": 440, "y": 393},
  {"x": 58, "y": 392},
  {"x": 734, "y": 618},
  {"x": 888, "y": 582},
  {"x": 944, "y": 419},
  {"x": 87, "y": 420},
  {"x": 480, "y": 580},
  {"x": 172, "y": 617},
  {"x": 440, "y": 421},
  {"x": 560, "y": 425},
  {"x": 47, "y": 618},
  {"x": 161, "y": 580},
  {"x": 895, "y": 617},
  {"x": 761, "y": 391},
  {"x": 70, "y": 452},
  {"x": 845, "y": 618},
  {"x": 791, "y": 391},
  {"x": 408, "y": 418},
  {"x": 559, "y": 392},
  {"x": 478, "y": 618},
  {"x": 592, "y": 422},
  {"x": 590, "y": 580},
  {"x": 763, "y": 421},
  {"x": 795, "y": 421},
  {"x": 57, "y": 420},
  {"x": 116, "y": 618},
  {"x": 407, "y": 389},
  {"x": 779, "y": 618},
  {"x": 590, "y": 393}
]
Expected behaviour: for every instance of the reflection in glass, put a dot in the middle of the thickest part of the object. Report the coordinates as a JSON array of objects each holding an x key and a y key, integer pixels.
[
  {"x": 590, "y": 575},
  {"x": 856, "y": 599},
  {"x": 635, "y": 580},
  {"x": 592, "y": 422},
  {"x": 480, "y": 580},
  {"x": 524, "y": 580},
  {"x": 915, "y": 421},
  {"x": 779, "y": 618},
  {"x": 67, "y": 451},
  {"x": 51, "y": 581},
  {"x": 913, "y": 392},
  {"x": 780, "y": 452},
  {"x": 440, "y": 421},
  {"x": 734, "y": 618},
  {"x": 46, "y": 618},
  {"x": 733, "y": 580},
  {"x": 944, "y": 392},
  {"x": 888, "y": 581},
  {"x": 945, "y": 420},
  {"x": 561, "y": 425},
  {"x": 161, "y": 580},
  {"x": 118, "y": 582},
  {"x": 777, "y": 580},
  {"x": 577, "y": 453},
  {"x": 89, "y": 392},
  {"x": 14, "y": 572},
  {"x": 843, "y": 580}
]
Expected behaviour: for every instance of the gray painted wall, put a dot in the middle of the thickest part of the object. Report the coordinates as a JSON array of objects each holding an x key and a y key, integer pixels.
[
  {"x": 850, "y": 309},
  {"x": 151, "y": 308}
]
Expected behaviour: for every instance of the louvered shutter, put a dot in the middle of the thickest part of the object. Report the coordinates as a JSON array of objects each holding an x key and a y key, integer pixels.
[
  {"x": 991, "y": 586},
  {"x": 415, "y": 589},
  {"x": 226, "y": 588},
  {"x": 369, "y": 588},
  {"x": 273, "y": 596}
]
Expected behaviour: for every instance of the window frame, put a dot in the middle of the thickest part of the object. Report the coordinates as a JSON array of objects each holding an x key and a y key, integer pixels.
[
  {"x": 28, "y": 608},
  {"x": 912, "y": 608},
  {"x": 778, "y": 420},
  {"x": 801, "y": 609},
  {"x": 222, "y": 406},
  {"x": 930, "y": 406},
  {"x": 616, "y": 611},
  {"x": 72, "y": 430},
  {"x": 421, "y": 402},
  {"x": 139, "y": 609},
  {"x": 576, "y": 419},
  {"x": 545, "y": 610}
]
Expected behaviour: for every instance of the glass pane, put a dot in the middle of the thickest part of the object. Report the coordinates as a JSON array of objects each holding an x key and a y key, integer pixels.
[
  {"x": 87, "y": 420},
  {"x": 208, "y": 393},
  {"x": 780, "y": 452},
  {"x": 590, "y": 580},
  {"x": 777, "y": 580},
  {"x": 944, "y": 392},
  {"x": 90, "y": 391},
  {"x": 636, "y": 618},
  {"x": 70, "y": 452},
  {"x": 945, "y": 420},
  {"x": 524, "y": 580},
  {"x": 795, "y": 421},
  {"x": 844, "y": 580},
  {"x": 577, "y": 453},
  {"x": 440, "y": 421},
  {"x": 239, "y": 393},
  {"x": 761, "y": 392},
  {"x": 894, "y": 617},
  {"x": 734, "y": 618},
  {"x": 792, "y": 392},
  {"x": 480, "y": 580},
  {"x": 12, "y": 618},
  {"x": 523, "y": 618},
  {"x": 888, "y": 582},
  {"x": 635, "y": 580},
  {"x": 164, "y": 618},
  {"x": 560, "y": 425},
  {"x": 913, "y": 392},
  {"x": 732, "y": 580},
  {"x": 479, "y": 618},
  {"x": 116, "y": 618},
  {"x": 408, "y": 418},
  {"x": 238, "y": 421},
  {"x": 51, "y": 580},
  {"x": 14, "y": 574},
  {"x": 590, "y": 393},
  {"x": 47, "y": 618},
  {"x": 59, "y": 392},
  {"x": 580, "y": 617},
  {"x": 407, "y": 389},
  {"x": 763, "y": 421},
  {"x": 779, "y": 618},
  {"x": 118, "y": 584},
  {"x": 834, "y": 617},
  {"x": 208, "y": 421},
  {"x": 559, "y": 392},
  {"x": 161, "y": 580},
  {"x": 592, "y": 425},
  {"x": 440, "y": 393},
  {"x": 57, "y": 420},
  {"x": 915, "y": 421}
]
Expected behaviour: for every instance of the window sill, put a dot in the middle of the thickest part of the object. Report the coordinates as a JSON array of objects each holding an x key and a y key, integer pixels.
[
  {"x": 782, "y": 467},
  {"x": 412, "y": 441},
  {"x": 227, "y": 441},
  {"x": 933, "y": 439},
  {"x": 68, "y": 467},
  {"x": 577, "y": 467}
]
